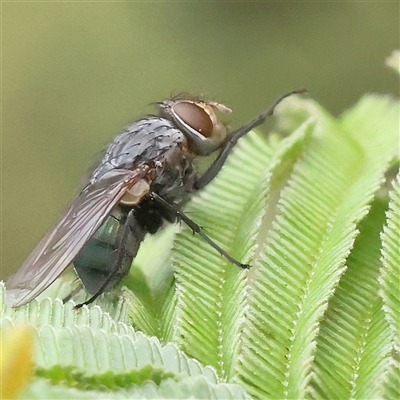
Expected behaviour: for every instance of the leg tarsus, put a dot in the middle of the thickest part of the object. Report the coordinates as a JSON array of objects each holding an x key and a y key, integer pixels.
[
  {"x": 196, "y": 229},
  {"x": 232, "y": 139}
]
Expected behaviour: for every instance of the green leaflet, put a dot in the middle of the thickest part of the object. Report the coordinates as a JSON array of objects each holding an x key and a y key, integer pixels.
[
  {"x": 152, "y": 284},
  {"x": 88, "y": 351},
  {"x": 390, "y": 273},
  {"x": 391, "y": 387},
  {"x": 58, "y": 315},
  {"x": 193, "y": 388},
  {"x": 212, "y": 293},
  {"x": 353, "y": 346},
  {"x": 313, "y": 233},
  {"x": 390, "y": 284}
]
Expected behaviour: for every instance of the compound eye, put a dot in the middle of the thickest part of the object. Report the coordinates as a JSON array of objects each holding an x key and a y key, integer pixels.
[{"x": 195, "y": 117}]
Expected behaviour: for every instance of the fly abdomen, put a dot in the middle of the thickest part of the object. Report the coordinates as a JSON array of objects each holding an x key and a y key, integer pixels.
[{"x": 110, "y": 251}]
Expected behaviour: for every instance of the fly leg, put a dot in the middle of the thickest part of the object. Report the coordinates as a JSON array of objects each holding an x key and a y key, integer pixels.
[
  {"x": 232, "y": 139},
  {"x": 72, "y": 294},
  {"x": 195, "y": 228},
  {"x": 129, "y": 228}
]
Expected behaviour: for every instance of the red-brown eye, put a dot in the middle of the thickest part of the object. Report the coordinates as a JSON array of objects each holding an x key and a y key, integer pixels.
[{"x": 195, "y": 117}]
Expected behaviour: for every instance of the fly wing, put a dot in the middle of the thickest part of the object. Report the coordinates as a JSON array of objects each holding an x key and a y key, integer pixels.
[{"x": 74, "y": 228}]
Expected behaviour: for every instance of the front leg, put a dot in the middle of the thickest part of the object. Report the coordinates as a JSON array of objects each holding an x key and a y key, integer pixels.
[
  {"x": 195, "y": 228},
  {"x": 232, "y": 139}
]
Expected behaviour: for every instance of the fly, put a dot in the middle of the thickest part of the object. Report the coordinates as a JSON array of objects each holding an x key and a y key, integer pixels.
[{"x": 143, "y": 179}]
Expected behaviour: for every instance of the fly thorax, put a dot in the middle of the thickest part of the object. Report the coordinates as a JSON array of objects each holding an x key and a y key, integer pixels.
[{"x": 174, "y": 178}]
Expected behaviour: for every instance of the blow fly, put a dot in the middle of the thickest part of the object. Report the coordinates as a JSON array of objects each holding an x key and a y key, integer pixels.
[{"x": 143, "y": 179}]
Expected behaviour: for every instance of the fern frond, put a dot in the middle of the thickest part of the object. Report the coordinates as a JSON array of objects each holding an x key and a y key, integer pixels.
[
  {"x": 211, "y": 293},
  {"x": 87, "y": 350},
  {"x": 304, "y": 256},
  {"x": 353, "y": 346},
  {"x": 390, "y": 273}
]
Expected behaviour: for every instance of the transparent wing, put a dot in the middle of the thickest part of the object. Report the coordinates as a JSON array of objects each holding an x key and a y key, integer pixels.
[{"x": 74, "y": 228}]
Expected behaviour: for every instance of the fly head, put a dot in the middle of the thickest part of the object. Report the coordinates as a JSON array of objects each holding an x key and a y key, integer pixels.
[{"x": 198, "y": 121}]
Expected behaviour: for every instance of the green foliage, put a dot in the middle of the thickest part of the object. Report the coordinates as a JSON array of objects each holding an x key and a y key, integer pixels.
[
  {"x": 390, "y": 272},
  {"x": 316, "y": 214}
]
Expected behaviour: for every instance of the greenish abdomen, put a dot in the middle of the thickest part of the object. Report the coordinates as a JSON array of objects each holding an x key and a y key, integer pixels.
[{"x": 109, "y": 249}]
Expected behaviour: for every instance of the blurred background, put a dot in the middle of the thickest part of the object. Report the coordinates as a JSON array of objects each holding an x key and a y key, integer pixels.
[{"x": 75, "y": 73}]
